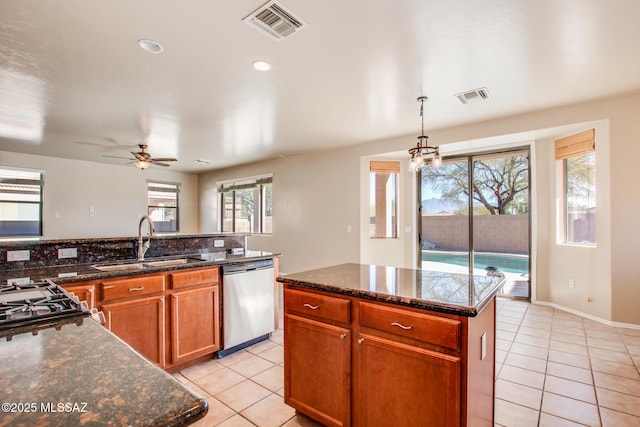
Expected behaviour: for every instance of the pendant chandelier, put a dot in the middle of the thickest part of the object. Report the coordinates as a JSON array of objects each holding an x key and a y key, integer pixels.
[{"x": 422, "y": 147}]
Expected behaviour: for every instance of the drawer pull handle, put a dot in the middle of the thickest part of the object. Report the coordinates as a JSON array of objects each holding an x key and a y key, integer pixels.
[
  {"x": 141, "y": 288},
  {"x": 343, "y": 336},
  {"x": 399, "y": 325},
  {"x": 312, "y": 307},
  {"x": 108, "y": 287}
]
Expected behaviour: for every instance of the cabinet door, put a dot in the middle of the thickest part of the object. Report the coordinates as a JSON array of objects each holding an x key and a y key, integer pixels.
[
  {"x": 317, "y": 362},
  {"x": 398, "y": 384},
  {"x": 195, "y": 323},
  {"x": 84, "y": 293},
  {"x": 140, "y": 323}
]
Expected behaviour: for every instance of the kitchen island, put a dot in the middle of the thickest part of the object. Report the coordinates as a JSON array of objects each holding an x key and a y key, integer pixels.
[
  {"x": 372, "y": 345},
  {"x": 85, "y": 375}
]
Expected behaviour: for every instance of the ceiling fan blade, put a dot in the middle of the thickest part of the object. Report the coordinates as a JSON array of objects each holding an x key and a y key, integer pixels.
[
  {"x": 163, "y": 159},
  {"x": 139, "y": 156},
  {"x": 118, "y": 157},
  {"x": 160, "y": 163}
]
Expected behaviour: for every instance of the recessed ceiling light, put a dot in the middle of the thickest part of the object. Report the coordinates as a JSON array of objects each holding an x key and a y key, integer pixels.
[
  {"x": 261, "y": 65},
  {"x": 150, "y": 46}
]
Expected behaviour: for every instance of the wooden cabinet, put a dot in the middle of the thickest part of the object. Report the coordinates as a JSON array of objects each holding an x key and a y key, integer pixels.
[
  {"x": 195, "y": 314},
  {"x": 132, "y": 287},
  {"x": 317, "y": 356},
  {"x": 171, "y": 318},
  {"x": 85, "y": 291},
  {"x": 395, "y": 365},
  {"x": 396, "y": 379},
  {"x": 140, "y": 322}
]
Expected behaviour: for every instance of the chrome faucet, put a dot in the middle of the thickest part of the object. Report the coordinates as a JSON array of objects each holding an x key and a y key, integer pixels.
[{"x": 142, "y": 248}]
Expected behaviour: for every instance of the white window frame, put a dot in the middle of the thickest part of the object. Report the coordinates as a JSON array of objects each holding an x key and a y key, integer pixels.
[
  {"x": 168, "y": 188},
  {"x": 258, "y": 185},
  {"x": 18, "y": 182}
]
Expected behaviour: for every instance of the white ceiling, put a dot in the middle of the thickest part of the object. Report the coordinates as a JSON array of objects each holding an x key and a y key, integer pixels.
[{"x": 75, "y": 84}]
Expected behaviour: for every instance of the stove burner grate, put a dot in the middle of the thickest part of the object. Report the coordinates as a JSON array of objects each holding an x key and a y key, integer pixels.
[{"x": 35, "y": 306}]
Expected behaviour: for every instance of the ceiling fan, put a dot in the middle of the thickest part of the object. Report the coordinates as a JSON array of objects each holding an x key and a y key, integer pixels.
[{"x": 144, "y": 159}]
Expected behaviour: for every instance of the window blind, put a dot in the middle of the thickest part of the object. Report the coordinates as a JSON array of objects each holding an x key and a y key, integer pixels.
[
  {"x": 575, "y": 145},
  {"x": 384, "y": 167}
]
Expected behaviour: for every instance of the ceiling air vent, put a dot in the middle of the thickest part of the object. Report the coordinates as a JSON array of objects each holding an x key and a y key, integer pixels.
[
  {"x": 473, "y": 95},
  {"x": 275, "y": 21}
]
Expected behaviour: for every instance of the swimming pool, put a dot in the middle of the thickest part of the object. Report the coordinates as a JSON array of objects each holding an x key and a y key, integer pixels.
[{"x": 508, "y": 263}]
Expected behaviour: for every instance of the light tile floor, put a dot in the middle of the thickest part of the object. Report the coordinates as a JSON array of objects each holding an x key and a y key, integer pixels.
[{"x": 552, "y": 369}]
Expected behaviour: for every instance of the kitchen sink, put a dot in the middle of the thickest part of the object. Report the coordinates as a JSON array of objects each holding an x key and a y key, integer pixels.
[
  {"x": 119, "y": 267},
  {"x": 128, "y": 266},
  {"x": 166, "y": 262}
]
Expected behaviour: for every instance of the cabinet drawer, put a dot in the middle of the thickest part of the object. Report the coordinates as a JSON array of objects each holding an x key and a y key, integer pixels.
[
  {"x": 132, "y": 287},
  {"x": 184, "y": 279},
  {"x": 317, "y": 306},
  {"x": 440, "y": 331}
]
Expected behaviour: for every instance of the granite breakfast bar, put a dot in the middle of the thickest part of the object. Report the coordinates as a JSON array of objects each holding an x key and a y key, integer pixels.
[
  {"x": 85, "y": 375},
  {"x": 372, "y": 345}
]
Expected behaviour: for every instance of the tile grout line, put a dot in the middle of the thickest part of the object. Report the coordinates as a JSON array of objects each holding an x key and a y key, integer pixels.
[{"x": 595, "y": 390}]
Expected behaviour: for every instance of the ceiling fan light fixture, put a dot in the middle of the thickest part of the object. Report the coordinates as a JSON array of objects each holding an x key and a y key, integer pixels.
[
  {"x": 142, "y": 164},
  {"x": 422, "y": 147}
]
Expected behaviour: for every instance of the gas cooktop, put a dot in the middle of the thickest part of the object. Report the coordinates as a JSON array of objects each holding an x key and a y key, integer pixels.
[{"x": 35, "y": 306}]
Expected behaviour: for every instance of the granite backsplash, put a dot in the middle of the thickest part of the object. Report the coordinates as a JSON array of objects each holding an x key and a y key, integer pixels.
[{"x": 45, "y": 253}]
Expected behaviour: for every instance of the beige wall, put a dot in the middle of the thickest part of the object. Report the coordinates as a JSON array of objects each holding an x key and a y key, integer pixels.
[
  {"x": 117, "y": 193},
  {"x": 315, "y": 200},
  {"x": 316, "y": 196}
]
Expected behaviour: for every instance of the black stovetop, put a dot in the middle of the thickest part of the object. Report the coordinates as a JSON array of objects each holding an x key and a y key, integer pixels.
[{"x": 34, "y": 306}]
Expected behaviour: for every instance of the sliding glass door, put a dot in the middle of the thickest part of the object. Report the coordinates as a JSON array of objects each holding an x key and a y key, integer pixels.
[{"x": 475, "y": 217}]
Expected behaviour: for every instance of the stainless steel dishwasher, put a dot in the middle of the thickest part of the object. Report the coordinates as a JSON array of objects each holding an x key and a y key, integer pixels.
[{"x": 248, "y": 308}]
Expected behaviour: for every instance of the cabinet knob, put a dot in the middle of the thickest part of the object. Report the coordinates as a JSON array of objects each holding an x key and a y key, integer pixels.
[
  {"x": 343, "y": 336},
  {"x": 312, "y": 307},
  {"x": 400, "y": 325},
  {"x": 360, "y": 340}
]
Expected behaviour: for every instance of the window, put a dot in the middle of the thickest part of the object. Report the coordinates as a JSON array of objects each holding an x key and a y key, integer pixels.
[
  {"x": 577, "y": 152},
  {"x": 163, "y": 205},
  {"x": 383, "y": 205},
  {"x": 20, "y": 203},
  {"x": 247, "y": 205}
]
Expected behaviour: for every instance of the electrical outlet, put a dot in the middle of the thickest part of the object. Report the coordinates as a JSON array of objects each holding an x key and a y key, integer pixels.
[
  {"x": 218, "y": 243},
  {"x": 92, "y": 211},
  {"x": 572, "y": 283},
  {"x": 70, "y": 274},
  {"x": 68, "y": 253},
  {"x": 19, "y": 281},
  {"x": 18, "y": 255}
]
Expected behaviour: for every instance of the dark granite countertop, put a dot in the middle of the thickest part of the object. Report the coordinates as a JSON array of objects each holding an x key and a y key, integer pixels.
[
  {"x": 85, "y": 375},
  {"x": 454, "y": 293},
  {"x": 80, "y": 272}
]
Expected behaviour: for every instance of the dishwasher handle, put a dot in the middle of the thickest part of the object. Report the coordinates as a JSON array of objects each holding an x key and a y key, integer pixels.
[{"x": 242, "y": 267}]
